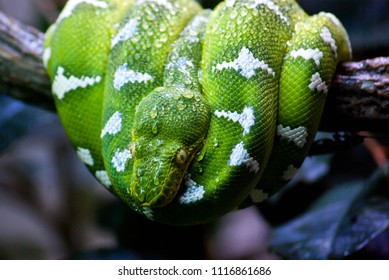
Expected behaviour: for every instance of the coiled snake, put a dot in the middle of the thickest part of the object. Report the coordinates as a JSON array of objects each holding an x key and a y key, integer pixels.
[{"x": 184, "y": 113}]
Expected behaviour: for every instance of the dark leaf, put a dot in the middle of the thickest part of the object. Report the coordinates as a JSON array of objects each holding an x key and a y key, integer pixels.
[
  {"x": 361, "y": 227},
  {"x": 367, "y": 217},
  {"x": 339, "y": 223}
]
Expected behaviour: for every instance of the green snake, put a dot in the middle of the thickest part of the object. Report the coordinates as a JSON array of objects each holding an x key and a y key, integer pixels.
[{"x": 184, "y": 113}]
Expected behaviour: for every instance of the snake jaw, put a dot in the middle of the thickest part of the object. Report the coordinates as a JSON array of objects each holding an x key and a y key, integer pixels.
[
  {"x": 157, "y": 175},
  {"x": 167, "y": 134}
]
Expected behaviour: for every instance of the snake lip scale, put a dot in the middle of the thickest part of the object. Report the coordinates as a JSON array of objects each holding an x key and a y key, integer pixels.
[{"x": 186, "y": 114}]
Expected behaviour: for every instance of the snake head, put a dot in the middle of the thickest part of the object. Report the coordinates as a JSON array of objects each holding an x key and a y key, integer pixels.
[{"x": 169, "y": 128}]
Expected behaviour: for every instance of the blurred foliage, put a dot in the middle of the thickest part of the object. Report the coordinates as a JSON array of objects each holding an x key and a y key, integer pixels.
[
  {"x": 16, "y": 119},
  {"x": 340, "y": 222}
]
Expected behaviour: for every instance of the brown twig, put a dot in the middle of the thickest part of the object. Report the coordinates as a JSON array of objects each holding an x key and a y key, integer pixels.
[{"x": 358, "y": 99}]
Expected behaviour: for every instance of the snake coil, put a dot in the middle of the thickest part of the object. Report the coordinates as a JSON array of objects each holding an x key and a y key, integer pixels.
[{"x": 184, "y": 113}]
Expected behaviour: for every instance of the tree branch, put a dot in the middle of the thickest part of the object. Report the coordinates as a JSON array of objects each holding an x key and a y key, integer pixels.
[
  {"x": 358, "y": 98},
  {"x": 22, "y": 75}
]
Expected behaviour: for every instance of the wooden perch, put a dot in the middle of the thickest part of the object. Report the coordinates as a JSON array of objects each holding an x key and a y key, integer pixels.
[
  {"x": 358, "y": 98},
  {"x": 22, "y": 75}
]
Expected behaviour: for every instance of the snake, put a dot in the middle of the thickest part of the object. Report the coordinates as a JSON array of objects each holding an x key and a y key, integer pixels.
[{"x": 186, "y": 113}]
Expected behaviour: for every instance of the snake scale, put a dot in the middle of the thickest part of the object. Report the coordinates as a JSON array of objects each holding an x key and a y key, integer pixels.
[{"x": 185, "y": 113}]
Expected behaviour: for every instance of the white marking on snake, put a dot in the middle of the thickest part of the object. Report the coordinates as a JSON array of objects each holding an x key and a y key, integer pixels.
[
  {"x": 62, "y": 84},
  {"x": 332, "y": 17},
  {"x": 258, "y": 196},
  {"x": 200, "y": 75},
  {"x": 193, "y": 193},
  {"x": 148, "y": 212},
  {"x": 102, "y": 176},
  {"x": 318, "y": 84},
  {"x": 125, "y": 75},
  {"x": 239, "y": 156},
  {"x": 230, "y": 3},
  {"x": 190, "y": 32},
  {"x": 126, "y": 32},
  {"x": 307, "y": 54},
  {"x": 119, "y": 160},
  {"x": 113, "y": 125},
  {"x": 162, "y": 3},
  {"x": 289, "y": 173},
  {"x": 192, "y": 28},
  {"x": 85, "y": 155},
  {"x": 192, "y": 39},
  {"x": 246, "y": 119},
  {"x": 298, "y": 135},
  {"x": 46, "y": 56},
  {"x": 255, "y": 3},
  {"x": 72, "y": 5},
  {"x": 327, "y": 37},
  {"x": 181, "y": 64},
  {"x": 245, "y": 64}
]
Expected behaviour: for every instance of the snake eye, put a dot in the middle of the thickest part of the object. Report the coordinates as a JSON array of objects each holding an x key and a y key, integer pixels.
[
  {"x": 181, "y": 156},
  {"x": 132, "y": 149}
]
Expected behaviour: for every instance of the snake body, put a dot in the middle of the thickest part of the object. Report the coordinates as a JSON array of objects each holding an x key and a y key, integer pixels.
[{"x": 184, "y": 113}]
